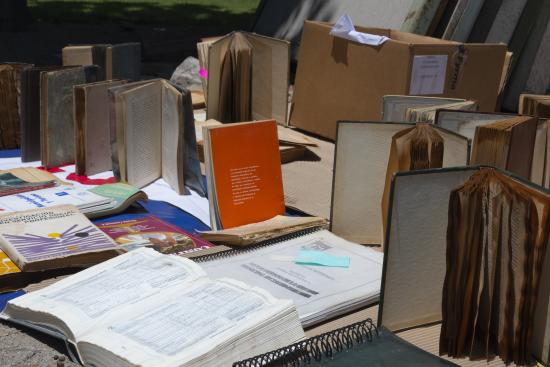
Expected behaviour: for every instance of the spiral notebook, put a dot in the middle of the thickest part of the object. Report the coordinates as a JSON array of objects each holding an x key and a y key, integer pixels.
[
  {"x": 359, "y": 344},
  {"x": 320, "y": 289}
]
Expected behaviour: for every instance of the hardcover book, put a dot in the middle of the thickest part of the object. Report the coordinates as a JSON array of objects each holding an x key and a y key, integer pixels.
[
  {"x": 92, "y": 129},
  {"x": 56, "y": 113},
  {"x": 153, "y": 135},
  {"x": 248, "y": 76},
  {"x": 11, "y": 111},
  {"x": 54, "y": 237},
  {"x": 30, "y": 104},
  {"x": 362, "y": 155},
  {"x": 243, "y": 172},
  {"x": 506, "y": 144}
]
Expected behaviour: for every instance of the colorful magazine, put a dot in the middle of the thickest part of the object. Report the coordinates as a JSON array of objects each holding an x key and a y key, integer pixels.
[{"x": 150, "y": 231}]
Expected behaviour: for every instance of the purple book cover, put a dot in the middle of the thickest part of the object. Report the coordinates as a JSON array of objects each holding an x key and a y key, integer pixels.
[
  {"x": 152, "y": 232},
  {"x": 56, "y": 232}
]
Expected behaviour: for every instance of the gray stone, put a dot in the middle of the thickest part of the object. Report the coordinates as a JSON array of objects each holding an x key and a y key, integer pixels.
[{"x": 186, "y": 74}]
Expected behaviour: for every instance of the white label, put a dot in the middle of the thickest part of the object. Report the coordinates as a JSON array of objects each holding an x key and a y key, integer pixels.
[{"x": 428, "y": 74}]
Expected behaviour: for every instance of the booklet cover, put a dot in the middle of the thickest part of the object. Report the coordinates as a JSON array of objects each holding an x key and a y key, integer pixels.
[
  {"x": 150, "y": 231},
  {"x": 51, "y": 238}
]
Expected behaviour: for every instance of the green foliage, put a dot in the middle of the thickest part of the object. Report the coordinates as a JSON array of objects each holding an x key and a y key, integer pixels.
[{"x": 145, "y": 12}]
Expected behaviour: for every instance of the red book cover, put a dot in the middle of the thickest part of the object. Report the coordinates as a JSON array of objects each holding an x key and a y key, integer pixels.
[{"x": 152, "y": 232}]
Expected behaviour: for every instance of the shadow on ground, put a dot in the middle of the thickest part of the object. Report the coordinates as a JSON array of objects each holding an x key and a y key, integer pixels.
[{"x": 168, "y": 30}]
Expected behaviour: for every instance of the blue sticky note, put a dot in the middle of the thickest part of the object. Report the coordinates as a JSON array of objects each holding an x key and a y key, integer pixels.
[{"x": 321, "y": 258}]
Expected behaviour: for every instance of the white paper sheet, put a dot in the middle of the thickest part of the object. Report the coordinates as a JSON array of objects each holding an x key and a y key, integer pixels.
[
  {"x": 194, "y": 204},
  {"x": 344, "y": 28}
]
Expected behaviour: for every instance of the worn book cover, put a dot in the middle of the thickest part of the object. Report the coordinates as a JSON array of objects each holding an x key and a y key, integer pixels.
[
  {"x": 150, "y": 231},
  {"x": 56, "y": 113},
  {"x": 244, "y": 173},
  {"x": 92, "y": 130},
  {"x": 53, "y": 237},
  {"x": 10, "y": 104}
]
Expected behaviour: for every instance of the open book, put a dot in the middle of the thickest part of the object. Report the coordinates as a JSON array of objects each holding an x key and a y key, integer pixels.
[
  {"x": 11, "y": 111},
  {"x": 497, "y": 239},
  {"x": 363, "y": 151},
  {"x": 248, "y": 77},
  {"x": 400, "y": 108},
  {"x": 153, "y": 136},
  {"x": 320, "y": 290},
  {"x": 506, "y": 144},
  {"x": 56, "y": 112},
  {"x": 534, "y": 105},
  {"x": 149, "y": 310}
]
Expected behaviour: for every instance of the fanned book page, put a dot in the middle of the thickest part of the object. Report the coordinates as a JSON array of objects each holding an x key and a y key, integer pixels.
[
  {"x": 506, "y": 144},
  {"x": 236, "y": 75},
  {"x": 420, "y": 147},
  {"x": 496, "y": 243}
]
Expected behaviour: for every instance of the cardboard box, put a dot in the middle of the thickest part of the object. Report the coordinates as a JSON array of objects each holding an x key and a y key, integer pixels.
[{"x": 339, "y": 79}]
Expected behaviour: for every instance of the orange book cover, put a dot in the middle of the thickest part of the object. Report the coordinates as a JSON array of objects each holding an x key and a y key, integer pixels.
[{"x": 247, "y": 172}]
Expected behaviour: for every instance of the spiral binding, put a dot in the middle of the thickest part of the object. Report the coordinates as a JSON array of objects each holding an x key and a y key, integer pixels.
[
  {"x": 238, "y": 251},
  {"x": 316, "y": 348}
]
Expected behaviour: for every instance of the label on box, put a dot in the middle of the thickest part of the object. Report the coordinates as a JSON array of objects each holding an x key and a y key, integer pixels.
[{"x": 428, "y": 74}]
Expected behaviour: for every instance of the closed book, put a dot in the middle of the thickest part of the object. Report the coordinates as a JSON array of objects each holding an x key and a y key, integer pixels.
[
  {"x": 243, "y": 171},
  {"x": 50, "y": 238},
  {"x": 11, "y": 111}
]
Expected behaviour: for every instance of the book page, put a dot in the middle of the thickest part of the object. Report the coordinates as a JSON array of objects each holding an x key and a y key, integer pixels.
[
  {"x": 185, "y": 325},
  {"x": 172, "y": 137},
  {"x": 317, "y": 291},
  {"x": 81, "y": 300},
  {"x": 142, "y": 109}
]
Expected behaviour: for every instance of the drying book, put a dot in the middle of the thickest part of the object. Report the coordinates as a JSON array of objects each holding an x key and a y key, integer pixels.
[
  {"x": 416, "y": 108},
  {"x": 255, "y": 233},
  {"x": 11, "y": 184},
  {"x": 324, "y": 287},
  {"x": 506, "y": 144},
  {"x": 248, "y": 76},
  {"x": 56, "y": 112},
  {"x": 120, "y": 61},
  {"x": 243, "y": 172},
  {"x": 497, "y": 239},
  {"x": 91, "y": 127},
  {"x": 363, "y": 152},
  {"x": 153, "y": 135},
  {"x": 147, "y": 309},
  {"x": 51, "y": 238}
]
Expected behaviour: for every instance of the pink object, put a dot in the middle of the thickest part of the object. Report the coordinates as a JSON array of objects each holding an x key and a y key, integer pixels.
[
  {"x": 203, "y": 73},
  {"x": 90, "y": 181}
]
